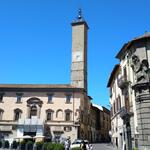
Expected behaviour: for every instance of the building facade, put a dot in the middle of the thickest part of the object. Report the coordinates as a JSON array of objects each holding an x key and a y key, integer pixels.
[
  {"x": 105, "y": 124},
  {"x": 52, "y": 111},
  {"x": 100, "y": 123},
  {"x": 129, "y": 95}
]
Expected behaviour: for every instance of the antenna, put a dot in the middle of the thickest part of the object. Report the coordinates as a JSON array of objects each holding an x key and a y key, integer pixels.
[{"x": 80, "y": 16}]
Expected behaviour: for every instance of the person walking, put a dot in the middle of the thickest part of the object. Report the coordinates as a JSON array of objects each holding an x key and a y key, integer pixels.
[
  {"x": 83, "y": 145},
  {"x": 67, "y": 144}
]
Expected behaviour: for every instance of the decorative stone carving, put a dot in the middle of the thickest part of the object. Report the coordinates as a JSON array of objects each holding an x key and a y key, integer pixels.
[
  {"x": 34, "y": 101},
  {"x": 141, "y": 69}
]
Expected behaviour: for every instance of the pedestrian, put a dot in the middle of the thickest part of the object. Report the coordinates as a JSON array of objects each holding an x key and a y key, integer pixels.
[
  {"x": 90, "y": 147},
  {"x": 67, "y": 144},
  {"x": 83, "y": 145}
]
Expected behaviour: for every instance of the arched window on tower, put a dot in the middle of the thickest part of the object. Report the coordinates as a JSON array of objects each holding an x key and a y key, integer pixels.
[
  {"x": 17, "y": 114},
  {"x": 33, "y": 111}
]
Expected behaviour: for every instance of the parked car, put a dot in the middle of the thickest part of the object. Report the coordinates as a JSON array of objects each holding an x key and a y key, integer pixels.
[{"x": 78, "y": 142}]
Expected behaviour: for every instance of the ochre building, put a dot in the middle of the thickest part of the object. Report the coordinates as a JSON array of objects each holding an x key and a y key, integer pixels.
[{"x": 51, "y": 111}]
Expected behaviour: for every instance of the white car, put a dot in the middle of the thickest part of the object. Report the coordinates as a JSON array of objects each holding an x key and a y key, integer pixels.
[{"x": 77, "y": 143}]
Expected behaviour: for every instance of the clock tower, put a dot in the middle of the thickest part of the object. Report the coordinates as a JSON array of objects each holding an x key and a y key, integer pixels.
[{"x": 79, "y": 52}]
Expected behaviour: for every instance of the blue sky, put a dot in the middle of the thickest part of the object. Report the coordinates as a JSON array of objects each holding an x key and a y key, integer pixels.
[{"x": 35, "y": 39}]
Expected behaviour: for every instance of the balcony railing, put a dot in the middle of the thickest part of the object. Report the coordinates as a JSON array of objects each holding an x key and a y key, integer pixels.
[
  {"x": 123, "y": 82},
  {"x": 31, "y": 121},
  {"x": 31, "y": 125}
]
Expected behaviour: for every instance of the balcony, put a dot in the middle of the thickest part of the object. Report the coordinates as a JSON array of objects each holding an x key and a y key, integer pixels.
[
  {"x": 31, "y": 121},
  {"x": 33, "y": 124},
  {"x": 123, "y": 82}
]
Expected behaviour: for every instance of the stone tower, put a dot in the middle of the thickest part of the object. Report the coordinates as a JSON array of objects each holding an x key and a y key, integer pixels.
[{"x": 79, "y": 52}]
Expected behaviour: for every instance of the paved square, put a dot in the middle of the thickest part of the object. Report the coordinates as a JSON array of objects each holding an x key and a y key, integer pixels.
[{"x": 105, "y": 146}]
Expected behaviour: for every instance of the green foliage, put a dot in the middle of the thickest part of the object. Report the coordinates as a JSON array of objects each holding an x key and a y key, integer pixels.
[
  {"x": 1, "y": 143},
  {"x": 39, "y": 145},
  {"x": 53, "y": 146},
  {"x": 14, "y": 145},
  {"x": 135, "y": 148},
  {"x": 22, "y": 145},
  {"x": 58, "y": 147},
  {"x": 30, "y": 145},
  {"x": 6, "y": 144},
  {"x": 45, "y": 145},
  {"x": 50, "y": 146},
  {"x": 22, "y": 142},
  {"x": 77, "y": 148}
]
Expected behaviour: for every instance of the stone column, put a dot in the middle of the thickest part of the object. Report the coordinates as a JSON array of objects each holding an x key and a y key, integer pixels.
[{"x": 143, "y": 113}]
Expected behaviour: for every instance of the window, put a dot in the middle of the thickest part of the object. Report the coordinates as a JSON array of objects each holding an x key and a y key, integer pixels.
[
  {"x": 125, "y": 73},
  {"x": 67, "y": 129},
  {"x": 119, "y": 99},
  {"x": 49, "y": 116},
  {"x": 19, "y": 96},
  {"x": 68, "y": 98},
  {"x": 17, "y": 114},
  {"x": 1, "y": 97},
  {"x": 117, "y": 104},
  {"x": 33, "y": 111},
  {"x": 127, "y": 105},
  {"x": 1, "y": 114},
  {"x": 68, "y": 115},
  {"x": 50, "y": 97},
  {"x": 114, "y": 107}
]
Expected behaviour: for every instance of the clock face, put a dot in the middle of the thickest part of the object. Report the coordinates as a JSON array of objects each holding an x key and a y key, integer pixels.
[{"x": 77, "y": 56}]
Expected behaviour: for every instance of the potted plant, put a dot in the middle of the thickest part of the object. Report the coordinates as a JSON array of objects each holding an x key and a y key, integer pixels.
[
  {"x": 14, "y": 145},
  {"x": 1, "y": 143},
  {"x": 22, "y": 145},
  {"x": 30, "y": 145},
  {"x": 39, "y": 145},
  {"x": 6, "y": 144}
]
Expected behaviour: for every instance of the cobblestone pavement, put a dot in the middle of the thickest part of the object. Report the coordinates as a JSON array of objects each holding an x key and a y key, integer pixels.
[{"x": 103, "y": 146}]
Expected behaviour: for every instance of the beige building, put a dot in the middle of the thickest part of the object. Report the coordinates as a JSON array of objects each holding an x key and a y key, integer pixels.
[
  {"x": 53, "y": 111},
  {"x": 124, "y": 128},
  {"x": 130, "y": 96}
]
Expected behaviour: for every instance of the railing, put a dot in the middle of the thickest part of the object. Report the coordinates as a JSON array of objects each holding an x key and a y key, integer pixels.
[{"x": 31, "y": 121}]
